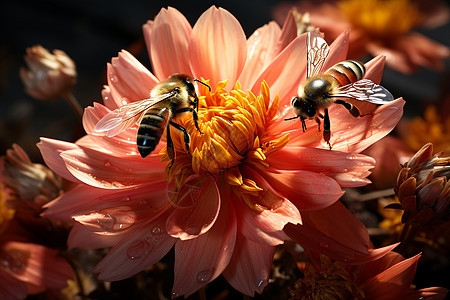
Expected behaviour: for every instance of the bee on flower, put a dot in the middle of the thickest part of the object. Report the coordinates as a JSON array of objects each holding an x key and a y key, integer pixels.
[{"x": 235, "y": 179}]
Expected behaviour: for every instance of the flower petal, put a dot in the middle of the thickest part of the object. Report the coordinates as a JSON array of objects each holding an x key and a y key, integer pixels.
[
  {"x": 200, "y": 260},
  {"x": 349, "y": 170},
  {"x": 285, "y": 72},
  {"x": 218, "y": 47},
  {"x": 81, "y": 237},
  {"x": 128, "y": 80},
  {"x": 167, "y": 40},
  {"x": 338, "y": 51},
  {"x": 260, "y": 52},
  {"x": 111, "y": 172},
  {"x": 12, "y": 288},
  {"x": 249, "y": 267},
  {"x": 139, "y": 249},
  {"x": 333, "y": 231},
  {"x": 375, "y": 68},
  {"x": 307, "y": 190},
  {"x": 51, "y": 152},
  {"x": 197, "y": 208}
]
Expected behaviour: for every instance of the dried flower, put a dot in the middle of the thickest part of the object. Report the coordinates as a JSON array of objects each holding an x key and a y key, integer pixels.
[
  {"x": 50, "y": 76},
  {"x": 248, "y": 175},
  {"x": 31, "y": 182}
]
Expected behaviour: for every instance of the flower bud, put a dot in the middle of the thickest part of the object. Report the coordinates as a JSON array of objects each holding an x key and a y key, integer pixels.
[{"x": 50, "y": 76}]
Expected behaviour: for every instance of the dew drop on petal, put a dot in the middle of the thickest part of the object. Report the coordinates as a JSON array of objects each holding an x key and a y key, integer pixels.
[
  {"x": 205, "y": 275},
  {"x": 156, "y": 231},
  {"x": 139, "y": 249},
  {"x": 107, "y": 163}
]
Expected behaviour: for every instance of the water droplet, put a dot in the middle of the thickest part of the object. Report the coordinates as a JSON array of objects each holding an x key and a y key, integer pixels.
[
  {"x": 106, "y": 222},
  {"x": 193, "y": 230},
  {"x": 205, "y": 276},
  {"x": 139, "y": 249},
  {"x": 262, "y": 283},
  {"x": 142, "y": 202},
  {"x": 126, "y": 198},
  {"x": 323, "y": 245},
  {"x": 156, "y": 231},
  {"x": 113, "y": 78},
  {"x": 175, "y": 295},
  {"x": 107, "y": 163}
]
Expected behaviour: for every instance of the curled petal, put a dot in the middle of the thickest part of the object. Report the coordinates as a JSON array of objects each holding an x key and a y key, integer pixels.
[
  {"x": 196, "y": 210},
  {"x": 211, "y": 53},
  {"x": 249, "y": 267},
  {"x": 81, "y": 237},
  {"x": 192, "y": 271},
  {"x": 167, "y": 39}
]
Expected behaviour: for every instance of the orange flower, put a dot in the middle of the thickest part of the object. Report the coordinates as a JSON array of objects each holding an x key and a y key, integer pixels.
[
  {"x": 388, "y": 277},
  {"x": 376, "y": 28},
  {"x": 247, "y": 175}
]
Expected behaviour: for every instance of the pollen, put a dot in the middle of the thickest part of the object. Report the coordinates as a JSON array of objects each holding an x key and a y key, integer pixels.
[
  {"x": 380, "y": 19},
  {"x": 233, "y": 136}
]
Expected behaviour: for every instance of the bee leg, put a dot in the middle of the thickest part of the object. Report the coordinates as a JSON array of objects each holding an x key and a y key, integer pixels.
[
  {"x": 303, "y": 123},
  {"x": 318, "y": 121},
  {"x": 327, "y": 128},
  {"x": 187, "y": 138},
  {"x": 170, "y": 148},
  {"x": 194, "y": 115},
  {"x": 352, "y": 109}
]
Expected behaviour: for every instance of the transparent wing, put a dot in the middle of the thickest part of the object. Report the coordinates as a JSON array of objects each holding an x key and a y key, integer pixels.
[
  {"x": 364, "y": 90},
  {"x": 127, "y": 115},
  {"x": 317, "y": 51}
]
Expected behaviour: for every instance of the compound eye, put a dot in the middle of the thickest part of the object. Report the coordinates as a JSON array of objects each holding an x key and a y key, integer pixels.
[{"x": 190, "y": 86}]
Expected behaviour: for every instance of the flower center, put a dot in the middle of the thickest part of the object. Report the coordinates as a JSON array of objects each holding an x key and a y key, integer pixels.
[
  {"x": 380, "y": 18},
  {"x": 332, "y": 281}
]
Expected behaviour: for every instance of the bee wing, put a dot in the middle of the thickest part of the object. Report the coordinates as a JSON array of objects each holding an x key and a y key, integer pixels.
[
  {"x": 317, "y": 51},
  {"x": 364, "y": 90},
  {"x": 127, "y": 115}
]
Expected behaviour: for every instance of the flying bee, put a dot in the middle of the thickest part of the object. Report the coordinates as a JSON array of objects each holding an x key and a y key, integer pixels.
[
  {"x": 168, "y": 98},
  {"x": 341, "y": 81}
]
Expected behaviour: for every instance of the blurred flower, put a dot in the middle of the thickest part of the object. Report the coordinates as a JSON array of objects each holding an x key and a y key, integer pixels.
[
  {"x": 433, "y": 127},
  {"x": 248, "y": 175},
  {"x": 26, "y": 268},
  {"x": 377, "y": 29},
  {"x": 389, "y": 277},
  {"x": 50, "y": 76},
  {"x": 31, "y": 182}
]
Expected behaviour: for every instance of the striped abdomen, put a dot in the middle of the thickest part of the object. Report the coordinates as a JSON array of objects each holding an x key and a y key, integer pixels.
[
  {"x": 151, "y": 128},
  {"x": 346, "y": 72}
]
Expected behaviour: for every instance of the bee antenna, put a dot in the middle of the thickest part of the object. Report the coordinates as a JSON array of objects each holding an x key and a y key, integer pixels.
[{"x": 205, "y": 84}]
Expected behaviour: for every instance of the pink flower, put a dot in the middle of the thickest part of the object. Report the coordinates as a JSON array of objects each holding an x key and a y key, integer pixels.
[
  {"x": 388, "y": 277},
  {"x": 377, "y": 29},
  {"x": 249, "y": 174}
]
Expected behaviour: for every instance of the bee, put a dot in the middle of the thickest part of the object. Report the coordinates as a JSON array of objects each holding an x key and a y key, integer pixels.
[
  {"x": 342, "y": 81},
  {"x": 168, "y": 99}
]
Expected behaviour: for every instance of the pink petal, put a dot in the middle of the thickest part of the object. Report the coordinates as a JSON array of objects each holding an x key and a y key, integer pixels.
[
  {"x": 394, "y": 281},
  {"x": 42, "y": 265},
  {"x": 196, "y": 210},
  {"x": 81, "y": 237},
  {"x": 51, "y": 150},
  {"x": 333, "y": 231},
  {"x": 338, "y": 51},
  {"x": 167, "y": 40},
  {"x": 433, "y": 293},
  {"x": 288, "y": 32},
  {"x": 128, "y": 79},
  {"x": 385, "y": 261},
  {"x": 200, "y": 260},
  {"x": 11, "y": 288},
  {"x": 218, "y": 47},
  {"x": 375, "y": 68},
  {"x": 286, "y": 71},
  {"x": 140, "y": 248},
  {"x": 84, "y": 200},
  {"x": 260, "y": 52},
  {"x": 307, "y": 190},
  {"x": 112, "y": 172},
  {"x": 249, "y": 267},
  {"x": 349, "y": 170}
]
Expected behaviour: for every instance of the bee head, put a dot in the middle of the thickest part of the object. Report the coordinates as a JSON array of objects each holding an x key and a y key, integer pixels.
[{"x": 303, "y": 108}]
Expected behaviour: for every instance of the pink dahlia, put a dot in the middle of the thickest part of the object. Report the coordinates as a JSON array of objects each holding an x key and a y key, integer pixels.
[{"x": 224, "y": 204}]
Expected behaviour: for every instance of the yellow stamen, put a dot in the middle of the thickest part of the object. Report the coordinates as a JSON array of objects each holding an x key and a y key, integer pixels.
[{"x": 381, "y": 19}]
